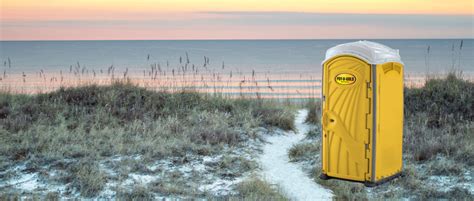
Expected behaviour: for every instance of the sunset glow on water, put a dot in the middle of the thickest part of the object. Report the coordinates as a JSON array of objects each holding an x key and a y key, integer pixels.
[
  {"x": 234, "y": 68},
  {"x": 240, "y": 85}
]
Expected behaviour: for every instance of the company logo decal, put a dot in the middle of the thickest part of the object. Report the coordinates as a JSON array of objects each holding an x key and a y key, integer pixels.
[{"x": 345, "y": 79}]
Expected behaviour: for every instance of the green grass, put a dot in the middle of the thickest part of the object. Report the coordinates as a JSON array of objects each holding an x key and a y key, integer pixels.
[{"x": 86, "y": 124}]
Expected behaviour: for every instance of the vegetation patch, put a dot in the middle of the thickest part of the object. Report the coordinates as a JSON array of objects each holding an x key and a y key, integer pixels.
[
  {"x": 304, "y": 151},
  {"x": 314, "y": 114},
  {"x": 438, "y": 146},
  {"x": 256, "y": 189},
  {"x": 84, "y": 133}
]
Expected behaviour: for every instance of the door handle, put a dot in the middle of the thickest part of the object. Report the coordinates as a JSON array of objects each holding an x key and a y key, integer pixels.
[{"x": 329, "y": 120}]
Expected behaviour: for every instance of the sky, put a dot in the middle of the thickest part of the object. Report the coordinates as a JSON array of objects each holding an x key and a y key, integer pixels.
[{"x": 234, "y": 19}]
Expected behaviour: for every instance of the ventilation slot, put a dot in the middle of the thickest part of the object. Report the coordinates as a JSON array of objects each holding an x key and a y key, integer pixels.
[{"x": 391, "y": 66}]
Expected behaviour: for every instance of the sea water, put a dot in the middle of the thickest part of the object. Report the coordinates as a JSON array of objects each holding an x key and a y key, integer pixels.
[{"x": 267, "y": 61}]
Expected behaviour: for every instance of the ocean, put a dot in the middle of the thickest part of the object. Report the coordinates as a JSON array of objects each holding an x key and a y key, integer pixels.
[{"x": 266, "y": 62}]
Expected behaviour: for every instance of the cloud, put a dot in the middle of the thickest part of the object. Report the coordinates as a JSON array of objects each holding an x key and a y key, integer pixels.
[
  {"x": 271, "y": 19},
  {"x": 286, "y": 23},
  {"x": 307, "y": 18}
]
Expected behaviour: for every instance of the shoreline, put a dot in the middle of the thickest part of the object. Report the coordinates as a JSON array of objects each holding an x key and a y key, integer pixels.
[{"x": 255, "y": 85}]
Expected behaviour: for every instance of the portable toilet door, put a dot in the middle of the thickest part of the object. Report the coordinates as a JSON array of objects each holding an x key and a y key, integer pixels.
[{"x": 362, "y": 90}]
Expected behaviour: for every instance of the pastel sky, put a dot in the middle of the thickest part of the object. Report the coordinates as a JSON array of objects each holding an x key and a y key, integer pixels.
[{"x": 234, "y": 19}]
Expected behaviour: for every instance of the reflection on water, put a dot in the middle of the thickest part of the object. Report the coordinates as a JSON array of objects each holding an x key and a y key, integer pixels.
[
  {"x": 247, "y": 85},
  {"x": 277, "y": 69}
]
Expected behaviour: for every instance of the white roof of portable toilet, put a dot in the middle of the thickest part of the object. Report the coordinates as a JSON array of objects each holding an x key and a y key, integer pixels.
[{"x": 371, "y": 52}]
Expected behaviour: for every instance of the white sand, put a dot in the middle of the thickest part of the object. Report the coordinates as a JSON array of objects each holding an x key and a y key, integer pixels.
[{"x": 288, "y": 176}]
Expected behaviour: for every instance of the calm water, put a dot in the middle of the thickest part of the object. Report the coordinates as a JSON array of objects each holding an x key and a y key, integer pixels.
[
  {"x": 259, "y": 55},
  {"x": 254, "y": 68}
]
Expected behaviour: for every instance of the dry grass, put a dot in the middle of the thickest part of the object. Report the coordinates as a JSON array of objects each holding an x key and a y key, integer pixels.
[
  {"x": 238, "y": 164},
  {"x": 87, "y": 124},
  {"x": 437, "y": 136},
  {"x": 446, "y": 102},
  {"x": 137, "y": 193},
  {"x": 438, "y": 141},
  {"x": 439, "y": 120},
  {"x": 87, "y": 177},
  {"x": 271, "y": 116},
  {"x": 314, "y": 114},
  {"x": 256, "y": 189},
  {"x": 304, "y": 151},
  {"x": 308, "y": 152},
  {"x": 174, "y": 77}
]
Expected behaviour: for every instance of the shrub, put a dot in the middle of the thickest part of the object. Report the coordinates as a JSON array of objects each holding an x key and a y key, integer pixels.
[
  {"x": 256, "y": 189},
  {"x": 304, "y": 150},
  {"x": 438, "y": 119},
  {"x": 446, "y": 101},
  {"x": 87, "y": 178},
  {"x": 314, "y": 113},
  {"x": 274, "y": 116}
]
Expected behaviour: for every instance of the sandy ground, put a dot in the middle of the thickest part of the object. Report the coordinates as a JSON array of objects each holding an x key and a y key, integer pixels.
[{"x": 278, "y": 170}]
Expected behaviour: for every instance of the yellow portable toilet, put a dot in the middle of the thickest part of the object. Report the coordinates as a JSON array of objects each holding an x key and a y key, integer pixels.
[{"x": 362, "y": 113}]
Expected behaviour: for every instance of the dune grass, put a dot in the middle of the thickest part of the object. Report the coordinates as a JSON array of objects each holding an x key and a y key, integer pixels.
[
  {"x": 314, "y": 114},
  {"x": 438, "y": 141},
  {"x": 86, "y": 124},
  {"x": 438, "y": 136},
  {"x": 439, "y": 120},
  {"x": 256, "y": 189}
]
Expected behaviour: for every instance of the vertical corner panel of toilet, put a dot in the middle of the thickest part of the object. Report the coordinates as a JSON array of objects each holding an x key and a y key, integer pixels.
[{"x": 389, "y": 120}]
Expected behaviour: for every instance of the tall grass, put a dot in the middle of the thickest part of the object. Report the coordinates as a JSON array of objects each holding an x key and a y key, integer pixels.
[
  {"x": 314, "y": 114},
  {"x": 439, "y": 119},
  {"x": 202, "y": 78}
]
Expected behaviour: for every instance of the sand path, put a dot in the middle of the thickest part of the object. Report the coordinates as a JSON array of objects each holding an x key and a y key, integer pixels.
[{"x": 278, "y": 170}]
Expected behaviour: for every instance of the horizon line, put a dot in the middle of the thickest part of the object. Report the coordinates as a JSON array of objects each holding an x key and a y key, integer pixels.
[{"x": 254, "y": 39}]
